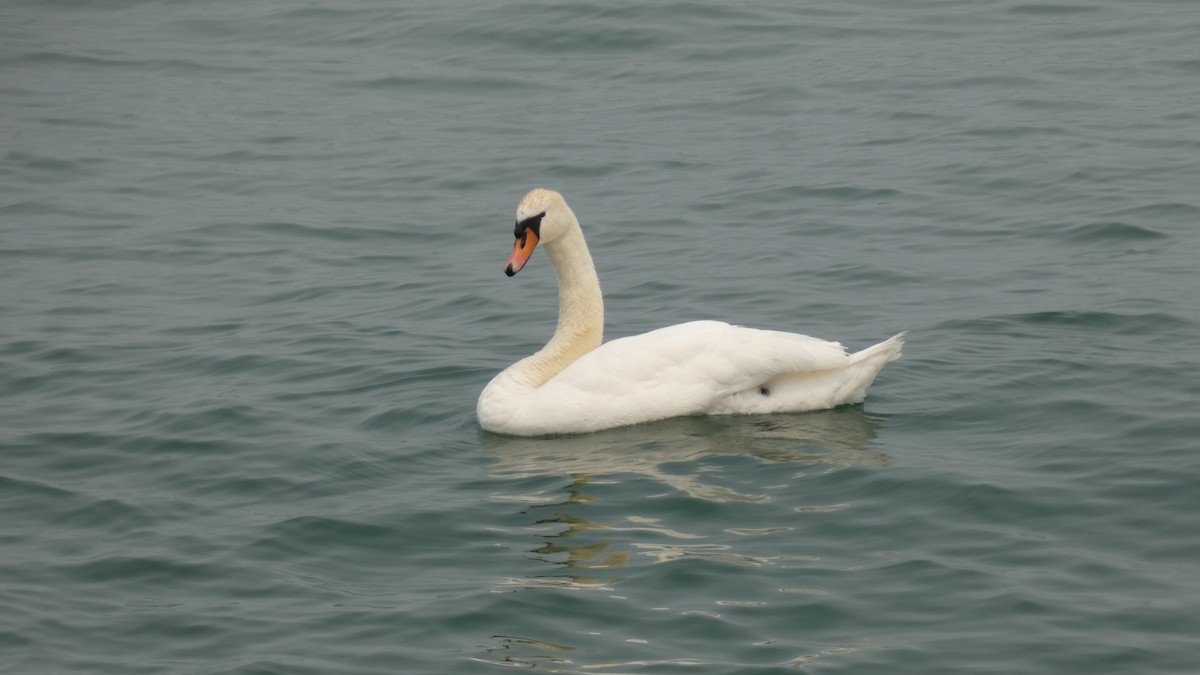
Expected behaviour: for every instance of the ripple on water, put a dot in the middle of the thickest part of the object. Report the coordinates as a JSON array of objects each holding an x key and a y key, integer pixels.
[{"x": 250, "y": 291}]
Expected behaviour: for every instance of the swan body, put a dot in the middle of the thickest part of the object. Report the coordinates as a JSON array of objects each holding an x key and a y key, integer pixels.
[{"x": 578, "y": 384}]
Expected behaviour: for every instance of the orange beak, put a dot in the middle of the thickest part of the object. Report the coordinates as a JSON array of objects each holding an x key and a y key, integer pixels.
[{"x": 521, "y": 252}]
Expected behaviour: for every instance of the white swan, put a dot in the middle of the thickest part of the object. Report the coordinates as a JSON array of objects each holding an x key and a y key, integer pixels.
[{"x": 576, "y": 384}]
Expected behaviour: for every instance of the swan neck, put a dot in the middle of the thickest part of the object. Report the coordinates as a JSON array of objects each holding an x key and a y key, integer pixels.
[
  {"x": 580, "y": 311},
  {"x": 580, "y": 303}
]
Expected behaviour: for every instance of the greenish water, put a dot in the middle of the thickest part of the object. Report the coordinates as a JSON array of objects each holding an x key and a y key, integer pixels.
[{"x": 250, "y": 287}]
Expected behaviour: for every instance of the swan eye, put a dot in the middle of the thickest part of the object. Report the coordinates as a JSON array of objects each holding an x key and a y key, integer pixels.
[{"x": 531, "y": 223}]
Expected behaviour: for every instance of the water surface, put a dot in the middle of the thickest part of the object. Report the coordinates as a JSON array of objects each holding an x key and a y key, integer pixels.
[{"x": 250, "y": 286}]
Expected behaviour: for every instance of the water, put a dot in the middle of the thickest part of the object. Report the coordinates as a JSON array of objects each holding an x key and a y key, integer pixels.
[{"x": 250, "y": 286}]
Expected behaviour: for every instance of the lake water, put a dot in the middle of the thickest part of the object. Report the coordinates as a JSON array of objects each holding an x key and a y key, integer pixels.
[{"x": 251, "y": 286}]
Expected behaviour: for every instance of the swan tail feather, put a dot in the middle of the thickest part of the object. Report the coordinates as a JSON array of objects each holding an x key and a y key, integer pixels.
[
  {"x": 889, "y": 350},
  {"x": 816, "y": 390}
]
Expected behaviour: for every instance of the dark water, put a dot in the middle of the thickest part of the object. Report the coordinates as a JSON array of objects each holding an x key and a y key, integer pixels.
[{"x": 250, "y": 286}]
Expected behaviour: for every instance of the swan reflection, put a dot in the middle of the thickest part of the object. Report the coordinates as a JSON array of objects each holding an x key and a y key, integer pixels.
[
  {"x": 585, "y": 548},
  {"x": 841, "y": 437},
  {"x": 584, "y": 539}
]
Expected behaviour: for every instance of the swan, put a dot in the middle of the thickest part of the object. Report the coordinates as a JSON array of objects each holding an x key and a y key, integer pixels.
[{"x": 577, "y": 383}]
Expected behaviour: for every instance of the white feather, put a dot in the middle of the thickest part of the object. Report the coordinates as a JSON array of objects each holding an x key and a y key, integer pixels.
[{"x": 575, "y": 385}]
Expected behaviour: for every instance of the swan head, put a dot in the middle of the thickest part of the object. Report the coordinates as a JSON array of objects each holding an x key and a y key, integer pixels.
[{"x": 542, "y": 216}]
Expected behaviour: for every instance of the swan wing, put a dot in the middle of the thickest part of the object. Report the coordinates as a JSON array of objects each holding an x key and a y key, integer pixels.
[{"x": 681, "y": 370}]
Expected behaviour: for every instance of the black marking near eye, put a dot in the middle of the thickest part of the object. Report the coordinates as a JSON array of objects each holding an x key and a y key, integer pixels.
[
  {"x": 764, "y": 391},
  {"x": 531, "y": 223}
]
